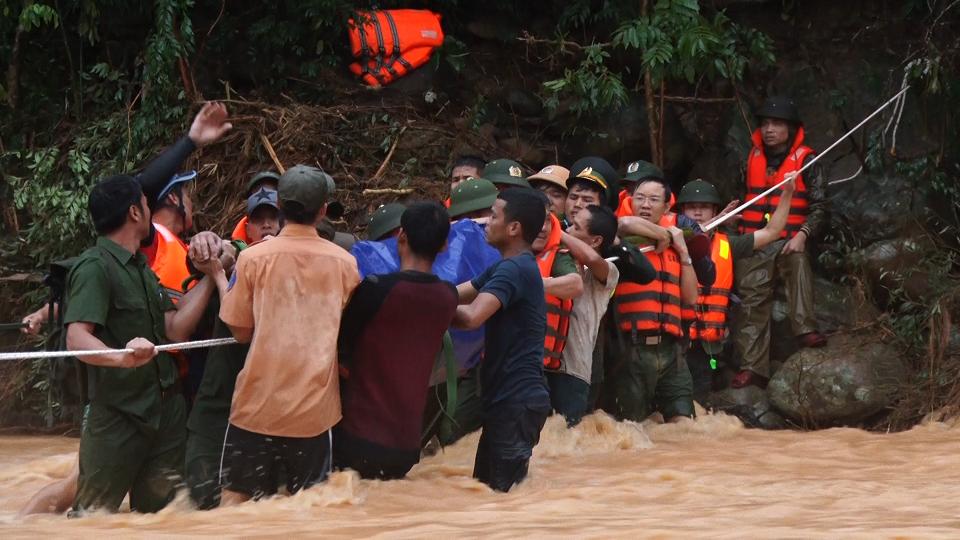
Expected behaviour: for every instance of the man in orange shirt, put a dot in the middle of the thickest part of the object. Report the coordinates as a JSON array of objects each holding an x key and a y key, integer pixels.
[{"x": 287, "y": 396}]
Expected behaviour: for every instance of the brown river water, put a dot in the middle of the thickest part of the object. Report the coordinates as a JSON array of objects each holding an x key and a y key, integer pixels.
[{"x": 705, "y": 478}]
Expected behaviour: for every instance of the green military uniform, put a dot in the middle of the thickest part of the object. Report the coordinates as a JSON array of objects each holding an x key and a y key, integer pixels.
[
  {"x": 469, "y": 413},
  {"x": 652, "y": 378},
  {"x": 133, "y": 438},
  {"x": 209, "y": 417}
]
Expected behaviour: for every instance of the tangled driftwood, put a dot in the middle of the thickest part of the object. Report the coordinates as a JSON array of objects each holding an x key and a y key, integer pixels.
[{"x": 376, "y": 153}]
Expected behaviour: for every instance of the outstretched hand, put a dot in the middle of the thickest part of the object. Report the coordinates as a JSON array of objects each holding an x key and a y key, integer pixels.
[{"x": 210, "y": 124}]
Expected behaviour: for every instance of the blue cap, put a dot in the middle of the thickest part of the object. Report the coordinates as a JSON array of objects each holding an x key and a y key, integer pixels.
[
  {"x": 174, "y": 182},
  {"x": 262, "y": 197}
]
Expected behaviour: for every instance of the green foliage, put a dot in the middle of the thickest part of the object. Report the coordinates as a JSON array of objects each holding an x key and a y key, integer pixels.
[
  {"x": 675, "y": 42},
  {"x": 36, "y": 15}
]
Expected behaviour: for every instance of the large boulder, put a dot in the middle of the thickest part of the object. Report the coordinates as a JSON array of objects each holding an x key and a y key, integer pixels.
[{"x": 849, "y": 380}]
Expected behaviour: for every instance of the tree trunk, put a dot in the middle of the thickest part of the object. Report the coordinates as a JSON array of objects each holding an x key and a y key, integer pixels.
[
  {"x": 13, "y": 71},
  {"x": 651, "y": 105}
]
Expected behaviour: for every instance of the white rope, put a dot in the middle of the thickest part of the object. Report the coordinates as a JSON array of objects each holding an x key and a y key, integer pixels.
[
  {"x": 717, "y": 222},
  {"x": 36, "y": 355},
  {"x": 847, "y": 179}
]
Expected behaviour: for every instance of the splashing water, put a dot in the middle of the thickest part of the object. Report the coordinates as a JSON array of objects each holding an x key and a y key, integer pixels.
[{"x": 704, "y": 478}]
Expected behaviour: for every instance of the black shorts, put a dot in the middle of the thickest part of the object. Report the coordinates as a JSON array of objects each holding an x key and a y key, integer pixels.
[
  {"x": 510, "y": 431},
  {"x": 371, "y": 460},
  {"x": 253, "y": 461}
]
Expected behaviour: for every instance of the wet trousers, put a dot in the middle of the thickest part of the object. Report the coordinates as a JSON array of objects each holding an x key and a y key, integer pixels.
[
  {"x": 118, "y": 455},
  {"x": 756, "y": 278}
]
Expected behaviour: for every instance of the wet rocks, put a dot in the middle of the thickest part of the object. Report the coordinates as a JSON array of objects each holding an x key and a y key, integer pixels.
[
  {"x": 849, "y": 380},
  {"x": 749, "y": 404}
]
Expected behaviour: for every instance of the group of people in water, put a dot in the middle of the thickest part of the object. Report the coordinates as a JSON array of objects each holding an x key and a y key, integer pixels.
[{"x": 570, "y": 290}]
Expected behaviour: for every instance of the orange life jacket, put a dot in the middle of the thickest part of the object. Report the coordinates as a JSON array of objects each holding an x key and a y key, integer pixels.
[
  {"x": 389, "y": 44},
  {"x": 170, "y": 262},
  {"x": 713, "y": 302},
  {"x": 653, "y": 308},
  {"x": 240, "y": 231},
  {"x": 755, "y": 217},
  {"x": 558, "y": 310}
]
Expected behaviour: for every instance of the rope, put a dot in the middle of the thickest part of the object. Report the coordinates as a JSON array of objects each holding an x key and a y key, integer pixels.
[
  {"x": 187, "y": 345},
  {"x": 717, "y": 222},
  {"x": 847, "y": 179}
]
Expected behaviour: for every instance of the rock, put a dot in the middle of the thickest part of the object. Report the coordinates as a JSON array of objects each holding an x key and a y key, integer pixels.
[
  {"x": 852, "y": 378},
  {"x": 890, "y": 265},
  {"x": 749, "y": 404},
  {"x": 870, "y": 207}
]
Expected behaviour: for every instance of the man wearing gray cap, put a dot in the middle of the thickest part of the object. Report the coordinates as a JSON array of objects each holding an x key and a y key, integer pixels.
[{"x": 285, "y": 299}]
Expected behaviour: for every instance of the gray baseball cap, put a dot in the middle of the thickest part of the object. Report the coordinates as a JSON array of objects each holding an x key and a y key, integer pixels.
[{"x": 305, "y": 185}]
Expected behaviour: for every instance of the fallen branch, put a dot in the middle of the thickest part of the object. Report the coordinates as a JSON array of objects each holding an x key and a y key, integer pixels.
[
  {"x": 273, "y": 154},
  {"x": 388, "y": 191},
  {"x": 386, "y": 160}
]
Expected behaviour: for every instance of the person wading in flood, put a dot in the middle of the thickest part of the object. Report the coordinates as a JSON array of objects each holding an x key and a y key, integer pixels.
[
  {"x": 133, "y": 434},
  {"x": 390, "y": 335},
  {"x": 210, "y": 413},
  {"x": 509, "y": 298},
  {"x": 287, "y": 396}
]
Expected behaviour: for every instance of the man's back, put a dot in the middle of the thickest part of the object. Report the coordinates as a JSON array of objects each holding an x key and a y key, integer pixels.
[
  {"x": 391, "y": 334},
  {"x": 512, "y": 368},
  {"x": 291, "y": 291}
]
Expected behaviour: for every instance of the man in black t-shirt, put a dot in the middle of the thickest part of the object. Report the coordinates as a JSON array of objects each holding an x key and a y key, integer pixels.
[
  {"x": 390, "y": 335},
  {"x": 508, "y": 297}
]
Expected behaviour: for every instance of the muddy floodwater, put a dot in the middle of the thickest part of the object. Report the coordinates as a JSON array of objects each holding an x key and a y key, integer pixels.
[{"x": 708, "y": 478}]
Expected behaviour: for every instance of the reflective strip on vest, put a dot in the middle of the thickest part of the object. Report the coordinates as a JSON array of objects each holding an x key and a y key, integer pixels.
[
  {"x": 653, "y": 308},
  {"x": 710, "y": 324},
  {"x": 756, "y": 216}
]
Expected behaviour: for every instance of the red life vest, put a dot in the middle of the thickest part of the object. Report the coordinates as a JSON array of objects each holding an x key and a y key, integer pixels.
[
  {"x": 756, "y": 216},
  {"x": 558, "y": 309},
  {"x": 713, "y": 302},
  {"x": 389, "y": 44}
]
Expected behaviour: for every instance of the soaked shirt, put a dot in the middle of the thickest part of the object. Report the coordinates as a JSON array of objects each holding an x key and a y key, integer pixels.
[
  {"x": 512, "y": 366},
  {"x": 291, "y": 290},
  {"x": 120, "y": 295}
]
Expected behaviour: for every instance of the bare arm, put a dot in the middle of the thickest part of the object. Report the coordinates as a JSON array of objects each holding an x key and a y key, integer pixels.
[
  {"x": 771, "y": 231},
  {"x": 80, "y": 338},
  {"x": 474, "y": 314},
  {"x": 586, "y": 256},
  {"x": 688, "y": 278},
  {"x": 565, "y": 287},
  {"x": 241, "y": 334},
  {"x": 466, "y": 292}
]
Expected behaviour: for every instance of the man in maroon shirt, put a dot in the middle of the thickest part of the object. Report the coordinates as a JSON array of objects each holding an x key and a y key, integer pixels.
[{"x": 390, "y": 336}]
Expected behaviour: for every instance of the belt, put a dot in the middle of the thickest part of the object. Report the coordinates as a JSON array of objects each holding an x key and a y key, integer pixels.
[{"x": 654, "y": 339}]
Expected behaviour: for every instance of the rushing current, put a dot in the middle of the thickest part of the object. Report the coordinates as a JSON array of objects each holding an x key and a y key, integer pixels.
[{"x": 705, "y": 478}]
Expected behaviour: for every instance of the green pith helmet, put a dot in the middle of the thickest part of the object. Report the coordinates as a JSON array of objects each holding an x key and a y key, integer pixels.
[
  {"x": 699, "y": 191},
  {"x": 780, "y": 107},
  {"x": 506, "y": 172},
  {"x": 259, "y": 178},
  {"x": 384, "y": 220},
  {"x": 471, "y": 195},
  {"x": 641, "y": 170}
]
